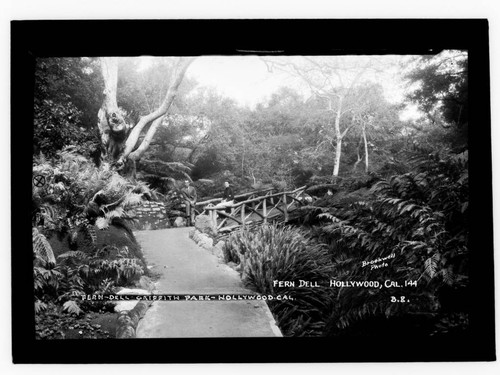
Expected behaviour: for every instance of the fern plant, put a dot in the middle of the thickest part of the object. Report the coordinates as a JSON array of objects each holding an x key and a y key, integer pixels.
[
  {"x": 79, "y": 273},
  {"x": 41, "y": 248},
  {"x": 77, "y": 193},
  {"x": 421, "y": 218}
]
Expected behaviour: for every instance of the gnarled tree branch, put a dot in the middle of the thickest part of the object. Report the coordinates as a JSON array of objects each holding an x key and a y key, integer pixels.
[{"x": 155, "y": 116}]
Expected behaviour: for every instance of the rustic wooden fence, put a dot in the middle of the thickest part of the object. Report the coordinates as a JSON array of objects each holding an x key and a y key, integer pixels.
[{"x": 252, "y": 208}]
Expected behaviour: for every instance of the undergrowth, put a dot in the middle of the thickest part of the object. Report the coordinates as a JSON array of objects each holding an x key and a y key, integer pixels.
[
  {"x": 274, "y": 252},
  {"x": 77, "y": 201},
  {"x": 410, "y": 228}
]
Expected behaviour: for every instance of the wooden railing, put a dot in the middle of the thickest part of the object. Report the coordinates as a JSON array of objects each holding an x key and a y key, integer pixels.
[
  {"x": 200, "y": 206},
  {"x": 260, "y": 206}
]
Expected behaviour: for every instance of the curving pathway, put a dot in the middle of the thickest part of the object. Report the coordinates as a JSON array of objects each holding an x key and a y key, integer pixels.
[{"x": 185, "y": 268}]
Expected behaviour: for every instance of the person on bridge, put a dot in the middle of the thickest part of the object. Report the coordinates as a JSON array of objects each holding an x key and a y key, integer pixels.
[
  {"x": 227, "y": 199},
  {"x": 228, "y": 196},
  {"x": 191, "y": 197}
]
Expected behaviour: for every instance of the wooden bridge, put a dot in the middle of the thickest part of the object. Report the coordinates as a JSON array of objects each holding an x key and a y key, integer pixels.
[{"x": 253, "y": 208}]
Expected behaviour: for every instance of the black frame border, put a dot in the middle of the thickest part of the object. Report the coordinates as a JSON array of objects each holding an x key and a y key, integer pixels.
[{"x": 32, "y": 39}]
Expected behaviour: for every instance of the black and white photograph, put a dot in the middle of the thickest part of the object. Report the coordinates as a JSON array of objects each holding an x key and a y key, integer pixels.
[{"x": 277, "y": 195}]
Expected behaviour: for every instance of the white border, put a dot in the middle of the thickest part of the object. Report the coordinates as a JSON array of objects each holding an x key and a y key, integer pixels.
[{"x": 158, "y": 9}]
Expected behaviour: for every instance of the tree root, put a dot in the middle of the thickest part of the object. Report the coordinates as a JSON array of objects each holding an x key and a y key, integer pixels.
[{"x": 128, "y": 320}]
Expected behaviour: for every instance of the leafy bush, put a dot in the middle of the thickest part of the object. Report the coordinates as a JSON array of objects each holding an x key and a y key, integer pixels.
[
  {"x": 420, "y": 218},
  {"x": 77, "y": 200},
  {"x": 274, "y": 252},
  {"x": 67, "y": 97},
  {"x": 77, "y": 193},
  {"x": 78, "y": 274}
]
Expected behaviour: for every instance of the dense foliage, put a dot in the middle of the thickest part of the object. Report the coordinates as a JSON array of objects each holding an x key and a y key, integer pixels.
[
  {"x": 67, "y": 96},
  {"x": 409, "y": 228},
  {"x": 78, "y": 192},
  {"x": 73, "y": 210},
  {"x": 274, "y": 252},
  {"x": 442, "y": 86},
  {"x": 420, "y": 219}
]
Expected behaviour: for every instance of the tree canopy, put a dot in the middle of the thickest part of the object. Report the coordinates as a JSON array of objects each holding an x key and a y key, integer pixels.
[{"x": 340, "y": 120}]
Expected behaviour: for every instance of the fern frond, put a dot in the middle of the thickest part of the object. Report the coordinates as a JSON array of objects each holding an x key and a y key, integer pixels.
[
  {"x": 89, "y": 230},
  {"x": 72, "y": 307},
  {"x": 73, "y": 254},
  {"x": 328, "y": 216},
  {"x": 49, "y": 213},
  {"x": 131, "y": 200},
  {"x": 448, "y": 275},
  {"x": 431, "y": 265},
  {"x": 42, "y": 248},
  {"x": 118, "y": 212},
  {"x": 40, "y": 306}
]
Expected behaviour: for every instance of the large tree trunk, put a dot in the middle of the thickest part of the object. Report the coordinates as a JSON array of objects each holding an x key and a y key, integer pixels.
[
  {"x": 118, "y": 141},
  {"x": 112, "y": 125}
]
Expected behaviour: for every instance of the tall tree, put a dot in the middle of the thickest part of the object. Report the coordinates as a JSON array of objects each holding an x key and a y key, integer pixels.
[
  {"x": 120, "y": 138},
  {"x": 439, "y": 85},
  {"x": 333, "y": 79}
]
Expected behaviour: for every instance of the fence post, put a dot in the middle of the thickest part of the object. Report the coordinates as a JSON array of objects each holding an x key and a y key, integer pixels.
[
  {"x": 243, "y": 215},
  {"x": 213, "y": 218},
  {"x": 285, "y": 208},
  {"x": 264, "y": 210}
]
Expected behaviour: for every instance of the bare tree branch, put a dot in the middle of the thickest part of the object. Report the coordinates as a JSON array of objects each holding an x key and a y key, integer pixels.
[{"x": 179, "y": 72}]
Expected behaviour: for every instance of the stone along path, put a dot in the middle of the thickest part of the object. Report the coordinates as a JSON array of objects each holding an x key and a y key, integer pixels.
[{"x": 185, "y": 268}]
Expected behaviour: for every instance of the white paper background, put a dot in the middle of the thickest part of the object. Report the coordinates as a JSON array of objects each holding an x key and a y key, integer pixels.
[{"x": 158, "y": 9}]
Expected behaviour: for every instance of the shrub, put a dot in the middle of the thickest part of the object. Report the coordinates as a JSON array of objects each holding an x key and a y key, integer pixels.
[
  {"x": 421, "y": 218},
  {"x": 79, "y": 200},
  {"x": 77, "y": 193},
  {"x": 78, "y": 274},
  {"x": 274, "y": 252}
]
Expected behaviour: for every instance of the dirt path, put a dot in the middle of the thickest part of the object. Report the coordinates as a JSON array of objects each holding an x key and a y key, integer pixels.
[{"x": 185, "y": 268}]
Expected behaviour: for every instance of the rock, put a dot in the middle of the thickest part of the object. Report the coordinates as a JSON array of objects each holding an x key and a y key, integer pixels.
[
  {"x": 205, "y": 242},
  {"x": 124, "y": 305},
  {"x": 194, "y": 235},
  {"x": 179, "y": 222},
  {"x": 218, "y": 250},
  {"x": 205, "y": 225},
  {"x": 129, "y": 305},
  {"x": 146, "y": 283}
]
